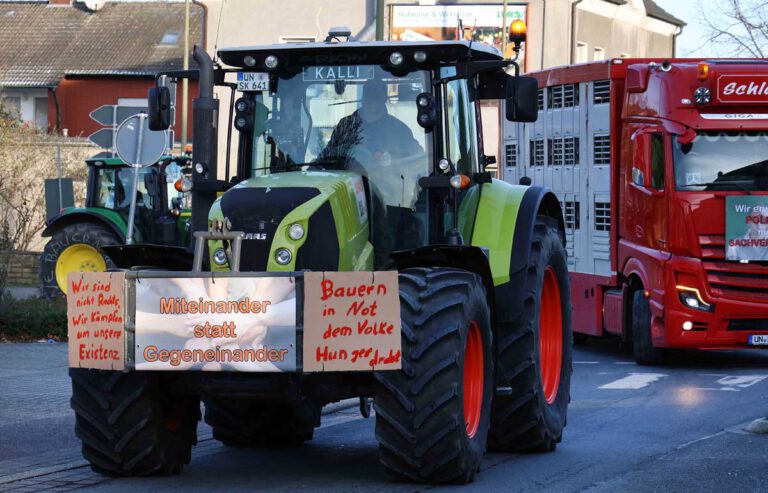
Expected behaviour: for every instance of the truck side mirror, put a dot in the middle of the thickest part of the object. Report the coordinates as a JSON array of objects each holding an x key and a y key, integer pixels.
[
  {"x": 159, "y": 108},
  {"x": 522, "y": 99}
]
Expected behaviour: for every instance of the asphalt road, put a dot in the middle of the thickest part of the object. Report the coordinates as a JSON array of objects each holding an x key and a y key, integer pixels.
[{"x": 672, "y": 428}]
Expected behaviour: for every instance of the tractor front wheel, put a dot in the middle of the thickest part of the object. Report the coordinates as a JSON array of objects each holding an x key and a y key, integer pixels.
[
  {"x": 534, "y": 353},
  {"x": 432, "y": 416},
  {"x": 130, "y": 425},
  {"x": 74, "y": 248}
]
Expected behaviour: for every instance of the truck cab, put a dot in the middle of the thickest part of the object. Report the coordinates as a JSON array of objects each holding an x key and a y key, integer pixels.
[{"x": 660, "y": 168}]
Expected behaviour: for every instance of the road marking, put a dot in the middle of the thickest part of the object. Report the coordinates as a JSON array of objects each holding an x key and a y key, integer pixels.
[
  {"x": 586, "y": 362},
  {"x": 634, "y": 381},
  {"x": 730, "y": 389},
  {"x": 624, "y": 363},
  {"x": 742, "y": 381}
]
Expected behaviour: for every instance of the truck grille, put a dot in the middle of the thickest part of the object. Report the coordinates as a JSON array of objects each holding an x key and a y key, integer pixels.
[
  {"x": 748, "y": 282},
  {"x": 751, "y": 324},
  {"x": 712, "y": 246}
]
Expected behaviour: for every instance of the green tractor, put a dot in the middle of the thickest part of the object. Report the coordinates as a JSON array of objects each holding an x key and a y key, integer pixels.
[
  {"x": 79, "y": 233},
  {"x": 362, "y": 157}
]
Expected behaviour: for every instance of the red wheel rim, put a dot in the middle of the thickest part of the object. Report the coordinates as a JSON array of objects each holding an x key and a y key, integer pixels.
[
  {"x": 550, "y": 335},
  {"x": 473, "y": 379}
]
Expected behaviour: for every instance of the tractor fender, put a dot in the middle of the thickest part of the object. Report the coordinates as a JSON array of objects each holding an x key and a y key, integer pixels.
[
  {"x": 466, "y": 257},
  {"x": 111, "y": 220},
  {"x": 505, "y": 222}
]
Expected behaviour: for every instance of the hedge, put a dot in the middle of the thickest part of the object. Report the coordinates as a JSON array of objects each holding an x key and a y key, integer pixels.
[{"x": 33, "y": 319}]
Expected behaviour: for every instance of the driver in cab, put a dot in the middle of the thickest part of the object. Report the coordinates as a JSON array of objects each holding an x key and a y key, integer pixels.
[{"x": 373, "y": 129}]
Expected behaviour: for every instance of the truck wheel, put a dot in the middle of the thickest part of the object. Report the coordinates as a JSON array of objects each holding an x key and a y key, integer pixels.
[
  {"x": 73, "y": 248},
  {"x": 642, "y": 341},
  {"x": 129, "y": 425},
  {"x": 244, "y": 422},
  {"x": 534, "y": 354},
  {"x": 432, "y": 416}
]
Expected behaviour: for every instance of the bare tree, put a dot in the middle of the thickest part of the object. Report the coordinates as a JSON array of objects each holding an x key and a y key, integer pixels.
[{"x": 736, "y": 27}]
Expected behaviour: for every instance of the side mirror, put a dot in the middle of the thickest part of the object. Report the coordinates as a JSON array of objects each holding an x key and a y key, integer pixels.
[
  {"x": 159, "y": 108},
  {"x": 522, "y": 99}
]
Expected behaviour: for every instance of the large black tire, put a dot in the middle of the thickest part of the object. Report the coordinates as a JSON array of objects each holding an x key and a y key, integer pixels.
[
  {"x": 523, "y": 418},
  {"x": 130, "y": 425},
  {"x": 421, "y": 422},
  {"x": 642, "y": 340},
  {"x": 92, "y": 234},
  {"x": 244, "y": 422}
]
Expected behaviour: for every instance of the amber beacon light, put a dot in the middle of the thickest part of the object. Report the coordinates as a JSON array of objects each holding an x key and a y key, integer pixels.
[{"x": 517, "y": 32}]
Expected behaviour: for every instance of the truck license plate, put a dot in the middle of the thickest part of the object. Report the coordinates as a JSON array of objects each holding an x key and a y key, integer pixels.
[
  {"x": 252, "y": 81},
  {"x": 758, "y": 340}
]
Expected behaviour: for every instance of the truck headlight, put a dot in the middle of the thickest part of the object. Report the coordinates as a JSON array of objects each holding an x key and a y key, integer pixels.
[
  {"x": 691, "y": 298},
  {"x": 296, "y": 231},
  {"x": 220, "y": 256},
  {"x": 283, "y": 256}
]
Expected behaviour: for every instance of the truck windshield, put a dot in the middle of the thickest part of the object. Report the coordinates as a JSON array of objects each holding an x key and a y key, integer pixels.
[
  {"x": 360, "y": 118},
  {"x": 722, "y": 161}
]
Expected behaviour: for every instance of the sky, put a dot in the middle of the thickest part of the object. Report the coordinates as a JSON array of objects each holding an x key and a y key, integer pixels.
[{"x": 694, "y": 34}]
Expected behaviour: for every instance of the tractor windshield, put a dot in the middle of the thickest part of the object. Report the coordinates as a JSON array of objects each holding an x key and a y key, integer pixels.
[{"x": 360, "y": 118}]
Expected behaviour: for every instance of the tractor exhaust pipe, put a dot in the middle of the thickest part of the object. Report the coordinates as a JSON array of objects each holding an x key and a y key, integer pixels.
[{"x": 205, "y": 151}]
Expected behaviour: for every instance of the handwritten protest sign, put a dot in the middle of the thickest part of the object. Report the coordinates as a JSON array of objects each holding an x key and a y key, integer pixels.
[
  {"x": 351, "y": 321},
  {"x": 96, "y": 320}
]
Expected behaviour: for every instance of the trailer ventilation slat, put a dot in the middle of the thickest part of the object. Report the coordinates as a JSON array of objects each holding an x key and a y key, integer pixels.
[
  {"x": 537, "y": 152},
  {"x": 541, "y": 99},
  {"x": 602, "y": 216},
  {"x": 563, "y": 151},
  {"x": 571, "y": 212},
  {"x": 601, "y": 92},
  {"x": 510, "y": 154},
  {"x": 563, "y": 96},
  {"x": 601, "y": 145}
]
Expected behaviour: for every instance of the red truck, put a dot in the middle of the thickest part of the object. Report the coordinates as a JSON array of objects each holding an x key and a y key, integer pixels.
[{"x": 661, "y": 168}]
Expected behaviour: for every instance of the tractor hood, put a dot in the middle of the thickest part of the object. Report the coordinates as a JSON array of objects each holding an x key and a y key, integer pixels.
[{"x": 329, "y": 207}]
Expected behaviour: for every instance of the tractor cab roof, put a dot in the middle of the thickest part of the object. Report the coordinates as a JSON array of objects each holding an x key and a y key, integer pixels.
[{"x": 293, "y": 56}]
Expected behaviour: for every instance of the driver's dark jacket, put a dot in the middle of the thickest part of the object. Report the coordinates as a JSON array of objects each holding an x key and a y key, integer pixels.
[{"x": 387, "y": 134}]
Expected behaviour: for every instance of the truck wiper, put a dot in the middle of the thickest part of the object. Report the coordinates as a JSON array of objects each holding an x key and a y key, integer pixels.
[{"x": 737, "y": 183}]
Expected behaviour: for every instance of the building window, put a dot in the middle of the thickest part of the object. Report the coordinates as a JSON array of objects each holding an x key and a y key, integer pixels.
[
  {"x": 563, "y": 151},
  {"x": 582, "y": 52},
  {"x": 41, "y": 112},
  {"x": 571, "y": 213},
  {"x": 537, "y": 152},
  {"x": 170, "y": 38},
  {"x": 601, "y": 92},
  {"x": 511, "y": 155},
  {"x": 297, "y": 39},
  {"x": 599, "y": 54},
  {"x": 563, "y": 96},
  {"x": 602, "y": 216},
  {"x": 12, "y": 105},
  {"x": 601, "y": 149}
]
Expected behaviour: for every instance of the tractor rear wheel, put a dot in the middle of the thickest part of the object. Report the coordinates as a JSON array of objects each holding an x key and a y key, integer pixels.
[
  {"x": 642, "y": 341},
  {"x": 245, "y": 422},
  {"x": 534, "y": 353},
  {"x": 432, "y": 416},
  {"x": 74, "y": 248},
  {"x": 130, "y": 425}
]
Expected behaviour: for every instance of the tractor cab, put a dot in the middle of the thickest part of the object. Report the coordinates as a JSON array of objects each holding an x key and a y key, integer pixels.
[{"x": 161, "y": 208}]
